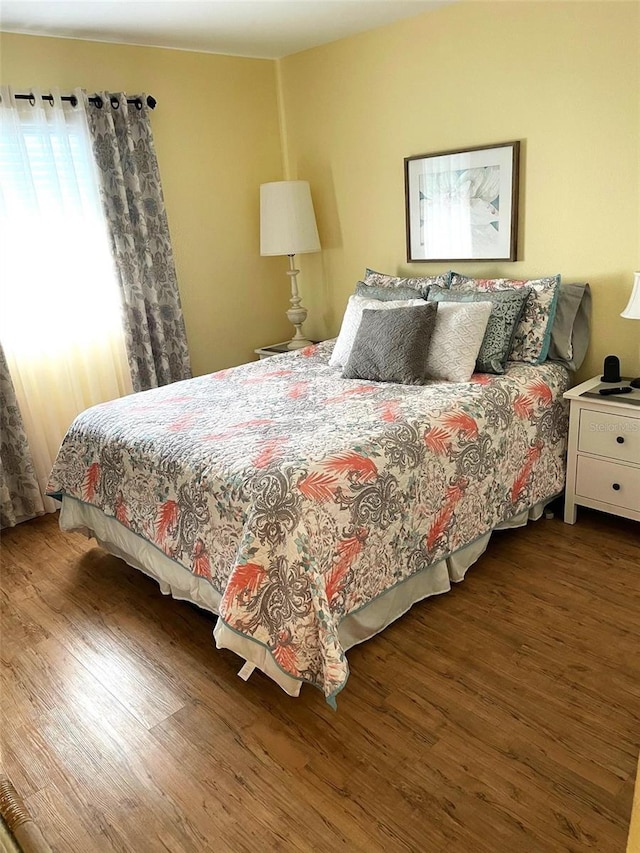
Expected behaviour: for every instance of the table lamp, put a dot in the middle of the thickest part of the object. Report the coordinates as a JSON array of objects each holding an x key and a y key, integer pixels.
[
  {"x": 632, "y": 312},
  {"x": 288, "y": 227}
]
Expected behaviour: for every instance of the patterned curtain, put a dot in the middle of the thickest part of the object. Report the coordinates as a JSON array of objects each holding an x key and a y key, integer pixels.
[
  {"x": 19, "y": 491},
  {"x": 136, "y": 218}
]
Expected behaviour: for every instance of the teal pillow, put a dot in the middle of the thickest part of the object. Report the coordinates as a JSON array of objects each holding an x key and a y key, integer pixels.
[{"x": 506, "y": 311}]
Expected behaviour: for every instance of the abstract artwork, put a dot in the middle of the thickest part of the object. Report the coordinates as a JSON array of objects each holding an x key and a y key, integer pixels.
[{"x": 463, "y": 205}]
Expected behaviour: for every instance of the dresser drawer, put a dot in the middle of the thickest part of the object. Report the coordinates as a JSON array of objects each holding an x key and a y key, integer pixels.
[
  {"x": 596, "y": 479},
  {"x": 613, "y": 436}
]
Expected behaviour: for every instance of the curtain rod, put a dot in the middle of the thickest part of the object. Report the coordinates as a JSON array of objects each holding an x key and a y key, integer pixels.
[{"x": 93, "y": 99}]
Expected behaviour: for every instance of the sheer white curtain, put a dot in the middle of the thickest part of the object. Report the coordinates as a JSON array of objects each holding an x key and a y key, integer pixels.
[{"x": 60, "y": 314}]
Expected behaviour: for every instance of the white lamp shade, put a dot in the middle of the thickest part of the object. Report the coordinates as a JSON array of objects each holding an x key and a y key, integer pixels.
[
  {"x": 632, "y": 311},
  {"x": 287, "y": 221}
]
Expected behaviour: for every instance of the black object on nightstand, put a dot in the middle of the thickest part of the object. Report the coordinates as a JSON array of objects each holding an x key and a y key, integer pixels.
[
  {"x": 611, "y": 373},
  {"x": 611, "y": 369},
  {"x": 606, "y": 392}
]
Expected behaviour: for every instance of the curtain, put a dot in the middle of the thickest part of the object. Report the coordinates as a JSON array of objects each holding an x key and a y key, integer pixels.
[
  {"x": 140, "y": 243},
  {"x": 19, "y": 493},
  {"x": 60, "y": 317}
]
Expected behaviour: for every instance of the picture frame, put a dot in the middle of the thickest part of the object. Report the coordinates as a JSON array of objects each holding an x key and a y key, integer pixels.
[{"x": 462, "y": 205}]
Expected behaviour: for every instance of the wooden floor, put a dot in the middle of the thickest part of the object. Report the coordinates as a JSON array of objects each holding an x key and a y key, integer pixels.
[{"x": 503, "y": 716}]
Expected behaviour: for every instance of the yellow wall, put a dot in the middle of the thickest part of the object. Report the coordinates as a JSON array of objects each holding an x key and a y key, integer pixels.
[
  {"x": 564, "y": 78},
  {"x": 217, "y": 137}
]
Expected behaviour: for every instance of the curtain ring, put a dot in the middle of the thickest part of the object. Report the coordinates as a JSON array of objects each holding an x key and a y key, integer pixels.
[
  {"x": 98, "y": 102},
  {"x": 138, "y": 104},
  {"x": 32, "y": 99},
  {"x": 115, "y": 103},
  {"x": 73, "y": 101}
]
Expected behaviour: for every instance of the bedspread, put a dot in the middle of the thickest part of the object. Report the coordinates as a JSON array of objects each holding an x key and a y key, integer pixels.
[{"x": 302, "y": 496}]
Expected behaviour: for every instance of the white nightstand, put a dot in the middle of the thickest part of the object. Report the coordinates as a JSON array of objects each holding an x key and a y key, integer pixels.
[
  {"x": 603, "y": 464},
  {"x": 275, "y": 349}
]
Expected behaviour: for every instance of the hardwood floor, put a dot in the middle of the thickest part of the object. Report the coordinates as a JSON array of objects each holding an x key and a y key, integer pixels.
[{"x": 503, "y": 716}]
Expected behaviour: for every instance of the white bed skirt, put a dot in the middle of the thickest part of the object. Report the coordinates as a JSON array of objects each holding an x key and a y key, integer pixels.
[{"x": 177, "y": 581}]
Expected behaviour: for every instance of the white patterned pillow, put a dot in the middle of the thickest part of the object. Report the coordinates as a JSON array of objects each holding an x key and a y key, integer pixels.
[
  {"x": 456, "y": 340},
  {"x": 508, "y": 306},
  {"x": 351, "y": 323},
  {"x": 533, "y": 333}
]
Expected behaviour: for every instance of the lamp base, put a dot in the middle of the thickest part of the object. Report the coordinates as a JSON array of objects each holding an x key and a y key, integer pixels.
[
  {"x": 297, "y": 314},
  {"x": 299, "y": 343},
  {"x": 635, "y": 383}
]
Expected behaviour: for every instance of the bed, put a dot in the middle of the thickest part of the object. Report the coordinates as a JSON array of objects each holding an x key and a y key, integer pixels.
[{"x": 308, "y": 510}]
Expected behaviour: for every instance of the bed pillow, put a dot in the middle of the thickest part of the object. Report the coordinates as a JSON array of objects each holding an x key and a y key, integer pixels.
[
  {"x": 385, "y": 294},
  {"x": 392, "y": 346},
  {"x": 570, "y": 330},
  {"x": 419, "y": 283},
  {"x": 505, "y": 315},
  {"x": 351, "y": 321},
  {"x": 533, "y": 332},
  {"x": 456, "y": 340}
]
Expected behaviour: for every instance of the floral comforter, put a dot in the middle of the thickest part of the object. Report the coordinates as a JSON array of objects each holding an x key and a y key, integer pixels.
[{"x": 301, "y": 496}]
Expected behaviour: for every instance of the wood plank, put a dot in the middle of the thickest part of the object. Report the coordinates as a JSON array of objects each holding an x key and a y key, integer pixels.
[
  {"x": 18, "y": 629},
  {"x": 61, "y": 813},
  {"x": 119, "y": 667}
]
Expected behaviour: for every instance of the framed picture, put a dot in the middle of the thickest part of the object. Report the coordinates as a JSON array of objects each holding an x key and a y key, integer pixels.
[{"x": 463, "y": 205}]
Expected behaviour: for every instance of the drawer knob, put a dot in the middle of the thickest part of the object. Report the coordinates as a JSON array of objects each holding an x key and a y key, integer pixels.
[
  {"x": 620, "y": 439},
  {"x": 616, "y": 487}
]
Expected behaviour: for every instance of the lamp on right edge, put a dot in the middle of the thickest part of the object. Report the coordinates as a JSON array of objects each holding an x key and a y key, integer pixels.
[{"x": 632, "y": 312}]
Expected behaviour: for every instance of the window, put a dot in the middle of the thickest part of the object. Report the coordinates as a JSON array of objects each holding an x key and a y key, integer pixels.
[{"x": 60, "y": 321}]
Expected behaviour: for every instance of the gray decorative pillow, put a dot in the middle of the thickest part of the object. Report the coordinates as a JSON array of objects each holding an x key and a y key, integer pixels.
[
  {"x": 385, "y": 294},
  {"x": 419, "y": 283},
  {"x": 570, "y": 330},
  {"x": 392, "y": 346},
  {"x": 506, "y": 310}
]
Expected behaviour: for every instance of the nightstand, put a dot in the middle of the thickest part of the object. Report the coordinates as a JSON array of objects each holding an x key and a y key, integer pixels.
[
  {"x": 276, "y": 349},
  {"x": 603, "y": 463}
]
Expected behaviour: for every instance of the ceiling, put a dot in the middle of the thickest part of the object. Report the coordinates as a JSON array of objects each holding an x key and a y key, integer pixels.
[{"x": 268, "y": 29}]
